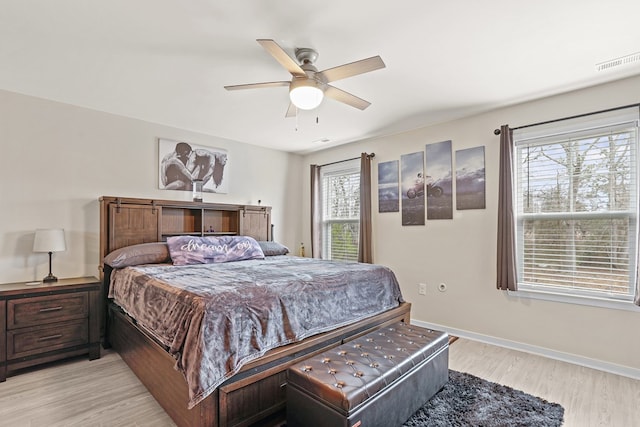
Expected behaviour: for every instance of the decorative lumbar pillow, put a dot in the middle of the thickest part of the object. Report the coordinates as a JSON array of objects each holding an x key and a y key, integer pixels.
[
  {"x": 144, "y": 253},
  {"x": 273, "y": 248},
  {"x": 187, "y": 250}
]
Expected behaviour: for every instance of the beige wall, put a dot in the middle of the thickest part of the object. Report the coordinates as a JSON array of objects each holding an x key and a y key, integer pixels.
[
  {"x": 57, "y": 159},
  {"x": 461, "y": 252}
]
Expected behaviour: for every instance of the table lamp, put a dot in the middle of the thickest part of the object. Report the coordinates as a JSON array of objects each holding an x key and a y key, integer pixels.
[{"x": 49, "y": 240}]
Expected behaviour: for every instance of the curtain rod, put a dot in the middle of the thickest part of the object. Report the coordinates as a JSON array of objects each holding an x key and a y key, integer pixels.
[
  {"x": 371, "y": 156},
  {"x": 497, "y": 131}
]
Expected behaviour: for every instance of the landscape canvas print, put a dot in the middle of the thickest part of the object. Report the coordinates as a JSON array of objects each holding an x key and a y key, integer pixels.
[
  {"x": 438, "y": 183},
  {"x": 412, "y": 170},
  {"x": 470, "y": 179},
  {"x": 388, "y": 187},
  {"x": 181, "y": 163}
]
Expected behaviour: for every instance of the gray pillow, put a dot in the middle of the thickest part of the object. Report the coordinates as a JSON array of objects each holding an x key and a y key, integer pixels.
[
  {"x": 273, "y": 248},
  {"x": 144, "y": 253}
]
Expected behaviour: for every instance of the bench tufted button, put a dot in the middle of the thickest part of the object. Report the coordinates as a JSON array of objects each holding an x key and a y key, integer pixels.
[
  {"x": 388, "y": 356},
  {"x": 339, "y": 384},
  {"x": 307, "y": 368},
  {"x": 364, "y": 354},
  {"x": 350, "y": 362},
  {"x": 332, "y": 371},
  {"x": 358, "y": 374},
  {"x": 374, "y": 364},
  {"x": 357, "y": 346},
  {"x": 326, "y": 360},
  {"x": 342, "y": 352}
]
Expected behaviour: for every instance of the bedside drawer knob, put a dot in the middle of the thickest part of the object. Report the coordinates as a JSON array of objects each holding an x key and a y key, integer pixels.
[
  {"x": 50, "y": 337},
  {"x": 44, "y": 310}
]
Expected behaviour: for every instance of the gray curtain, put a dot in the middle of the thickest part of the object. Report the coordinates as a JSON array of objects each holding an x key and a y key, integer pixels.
[
  {"x": 507, "y": 274},
  {"x": 364, "y": 244},
  {"x": 316, "y": 215},
  {"x": 636, "y": 301}
]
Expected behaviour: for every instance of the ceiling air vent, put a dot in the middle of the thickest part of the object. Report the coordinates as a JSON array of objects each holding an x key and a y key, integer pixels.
[{"x": 634, "y": 57}]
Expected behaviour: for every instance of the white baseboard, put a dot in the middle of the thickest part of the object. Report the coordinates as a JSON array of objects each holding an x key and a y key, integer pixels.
[{"x": 540, "y": 351}]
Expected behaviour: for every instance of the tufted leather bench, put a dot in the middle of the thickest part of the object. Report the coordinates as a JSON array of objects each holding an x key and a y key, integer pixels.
[{"x": 379, "y": 379}]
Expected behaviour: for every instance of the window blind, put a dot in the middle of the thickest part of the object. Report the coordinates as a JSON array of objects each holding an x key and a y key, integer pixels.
[
  {"x": 576, "y": 204},
  {"x": 341, "y": 210}
]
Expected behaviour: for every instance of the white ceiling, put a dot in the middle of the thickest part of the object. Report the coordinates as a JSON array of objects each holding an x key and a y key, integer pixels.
[{"x": 167, "y": 61}]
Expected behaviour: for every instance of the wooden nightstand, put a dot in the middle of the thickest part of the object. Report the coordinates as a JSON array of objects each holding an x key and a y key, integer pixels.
[{"x": 48, "y": 321}]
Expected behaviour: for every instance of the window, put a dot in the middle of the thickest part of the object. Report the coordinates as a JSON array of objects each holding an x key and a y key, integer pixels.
[
  {"x": 340, "y": 184},
  {"x": 576, "y": 206}
]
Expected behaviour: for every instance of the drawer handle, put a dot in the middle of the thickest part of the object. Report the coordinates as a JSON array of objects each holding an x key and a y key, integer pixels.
[
  {"x": 45, "y": 310},
  {"x": 50, "y": 337}
]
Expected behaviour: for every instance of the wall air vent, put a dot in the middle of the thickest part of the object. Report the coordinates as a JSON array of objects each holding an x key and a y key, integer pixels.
[{"x": 603, "y": 66}]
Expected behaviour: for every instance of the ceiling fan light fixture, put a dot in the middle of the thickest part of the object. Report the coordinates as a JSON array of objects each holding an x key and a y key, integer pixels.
[{"x": 306, "y": 94}]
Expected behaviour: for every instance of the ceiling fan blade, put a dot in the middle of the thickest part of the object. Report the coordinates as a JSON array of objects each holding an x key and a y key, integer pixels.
[
  {"x": 281, "y": 56},
  {"x": 291, "y": 111},
  {"x": 346, "y": 97},
  {"x": 257, "y": 85},
  {"x": 352, "y": 69}
]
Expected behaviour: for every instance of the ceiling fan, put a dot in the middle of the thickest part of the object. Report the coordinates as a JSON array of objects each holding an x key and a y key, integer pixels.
[{"x": 308, "y": 86}]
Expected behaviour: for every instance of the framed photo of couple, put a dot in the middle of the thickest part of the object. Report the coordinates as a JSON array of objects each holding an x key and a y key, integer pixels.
[{"x": 181, "y": 163}]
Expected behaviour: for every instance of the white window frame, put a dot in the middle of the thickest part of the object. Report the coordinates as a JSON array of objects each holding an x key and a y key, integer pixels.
[
  {"x": 581, "y": 127},
  {"x": 349, "y": 167}
]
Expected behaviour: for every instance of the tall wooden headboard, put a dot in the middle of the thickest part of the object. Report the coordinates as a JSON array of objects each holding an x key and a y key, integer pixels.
[{"x": 129, "y": 221}]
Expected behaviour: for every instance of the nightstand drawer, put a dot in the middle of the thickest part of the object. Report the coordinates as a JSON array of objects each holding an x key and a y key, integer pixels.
[
  {"x": 46, "y": 309},
  {"x": 35, "y": 340}
]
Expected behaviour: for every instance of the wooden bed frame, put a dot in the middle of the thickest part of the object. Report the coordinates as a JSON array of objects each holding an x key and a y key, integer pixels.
[{"x": 254, "y": 396}]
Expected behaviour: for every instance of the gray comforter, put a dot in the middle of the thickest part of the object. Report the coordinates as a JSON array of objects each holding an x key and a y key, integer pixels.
[{"x": 216, "y": 317}]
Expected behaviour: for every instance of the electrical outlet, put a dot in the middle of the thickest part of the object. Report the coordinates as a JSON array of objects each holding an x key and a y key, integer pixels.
[{"x": 422, "y": 288}]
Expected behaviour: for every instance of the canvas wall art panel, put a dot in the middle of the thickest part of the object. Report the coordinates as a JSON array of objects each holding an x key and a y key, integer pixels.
[
  {"x": 388, "y": 186},
  {"x": 412, "y": 169},
  {"x": 181, "y": 163},
  {"x": 470, "y": 179},
  {"x": 438, "y": 180}
]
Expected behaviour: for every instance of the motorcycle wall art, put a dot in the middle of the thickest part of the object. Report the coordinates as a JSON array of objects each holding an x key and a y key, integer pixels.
[{"x": 433, "y": 190}]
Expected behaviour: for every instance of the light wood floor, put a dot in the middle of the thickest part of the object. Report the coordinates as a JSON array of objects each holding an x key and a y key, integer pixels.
[{"x": 105, "y": 392}]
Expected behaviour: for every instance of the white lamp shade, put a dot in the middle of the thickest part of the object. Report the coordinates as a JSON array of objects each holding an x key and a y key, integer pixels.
[
  {"x": 49, "y": 240},
  {"x": 305, "y": 94}
]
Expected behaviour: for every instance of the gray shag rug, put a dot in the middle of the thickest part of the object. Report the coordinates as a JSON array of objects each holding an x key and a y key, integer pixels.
[{"x": 467, "y": 400}]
